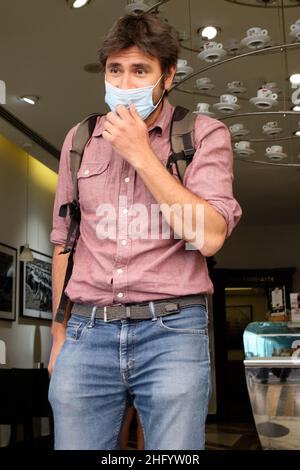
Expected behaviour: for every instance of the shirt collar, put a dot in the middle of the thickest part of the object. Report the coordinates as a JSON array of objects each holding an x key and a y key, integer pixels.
[
  {"x": 99, "y": 127},
  {"x": 163, "y": 120},
  {"x": 161, "y": 123}
]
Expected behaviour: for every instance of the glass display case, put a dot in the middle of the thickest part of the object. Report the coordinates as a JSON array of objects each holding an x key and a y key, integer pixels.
[{"x": 272, "y": 367}]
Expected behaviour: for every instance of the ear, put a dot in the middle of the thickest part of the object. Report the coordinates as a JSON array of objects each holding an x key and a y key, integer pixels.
[{"x": 169, "y": 77}]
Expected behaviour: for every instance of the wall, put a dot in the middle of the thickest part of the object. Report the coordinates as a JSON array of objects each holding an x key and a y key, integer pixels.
[
  {"x": 262, "y": 246},
  {"x": 20, "y": 335},
  {"x": 27, "y": 340}
]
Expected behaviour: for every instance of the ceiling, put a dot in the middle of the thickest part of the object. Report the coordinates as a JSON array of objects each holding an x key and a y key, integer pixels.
[{"x": 44, "y": 47}]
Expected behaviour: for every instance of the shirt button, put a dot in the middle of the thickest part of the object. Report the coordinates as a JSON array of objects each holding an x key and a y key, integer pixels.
[
  {"x": 124, "y": 242},
  {"x": 120, "y": 295},
  {"x": 120, "y": 271},
  {"x": 87, "y": 172},
  {"x": 127, "y": 180},
  {"x": 125, "y": 211}
]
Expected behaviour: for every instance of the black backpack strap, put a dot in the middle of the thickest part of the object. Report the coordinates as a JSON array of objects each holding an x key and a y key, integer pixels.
[
  {"x": 182, "y": 140},
  {"x": 80, "y": 139}
]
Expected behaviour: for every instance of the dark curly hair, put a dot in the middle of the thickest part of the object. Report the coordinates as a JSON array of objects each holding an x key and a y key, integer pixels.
[{"x": 144, "y": 30}]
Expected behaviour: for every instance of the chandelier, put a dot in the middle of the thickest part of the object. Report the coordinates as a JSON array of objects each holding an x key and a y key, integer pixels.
[{"x": 270, "y": 102}]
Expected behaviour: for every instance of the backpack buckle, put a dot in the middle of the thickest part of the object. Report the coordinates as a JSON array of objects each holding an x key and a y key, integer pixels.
[{"x": 189, "y": 152}]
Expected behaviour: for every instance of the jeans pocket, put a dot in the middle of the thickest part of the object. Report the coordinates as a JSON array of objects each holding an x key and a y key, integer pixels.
[
  {"x": 75, "y": 328},
  {"x": 191, "y": 319}
]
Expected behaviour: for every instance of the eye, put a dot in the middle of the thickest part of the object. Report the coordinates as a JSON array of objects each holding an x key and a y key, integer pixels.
[
  {"x": 114, "y": 70},
  {"x": 140, "y": 72}
]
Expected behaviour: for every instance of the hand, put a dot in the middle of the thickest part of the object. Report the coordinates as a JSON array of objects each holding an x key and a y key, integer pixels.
[
  {"x": 128, "y": 134},
  {"x": 56, "y": 347}
]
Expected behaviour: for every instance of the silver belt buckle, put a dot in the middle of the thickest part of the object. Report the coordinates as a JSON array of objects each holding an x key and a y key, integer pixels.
[{"x": 106, "y": 320}]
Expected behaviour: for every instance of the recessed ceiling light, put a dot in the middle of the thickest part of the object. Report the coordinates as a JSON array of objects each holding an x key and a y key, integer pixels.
[
  {"x": 30, "y": 99},
  {"x": 77, "y": 3},
  {"x": 297, "y": 133},
  {"x": 295, "y": 79},
  {"x": 296, "y": 108},
  {"x": 208, "y": 32}
]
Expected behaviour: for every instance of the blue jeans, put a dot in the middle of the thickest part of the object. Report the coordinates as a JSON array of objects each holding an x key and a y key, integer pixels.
[{"x": 163, "y": 364}]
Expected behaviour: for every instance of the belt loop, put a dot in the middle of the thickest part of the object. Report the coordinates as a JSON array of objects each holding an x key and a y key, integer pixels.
[
  {"x": 91, "y": 323},
  {"x": 152, "y": 311},
  {"x": 206, "y": 303},
  {"x": 105, "y": 314}
]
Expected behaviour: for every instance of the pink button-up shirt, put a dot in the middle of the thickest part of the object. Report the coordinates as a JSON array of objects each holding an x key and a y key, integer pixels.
[{"x": 125, "y": 269}]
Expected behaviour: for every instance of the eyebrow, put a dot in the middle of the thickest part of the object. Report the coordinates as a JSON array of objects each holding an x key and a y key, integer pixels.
[{"x": 141, "y": 65}]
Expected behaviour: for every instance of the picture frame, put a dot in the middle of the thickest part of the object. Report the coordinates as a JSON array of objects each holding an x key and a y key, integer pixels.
[
  {"x": 277, "y": 299},
  {"x": 237, "y": 318},
  {"x": 36, "y": 287},
  {"x": 8, "y": 275}
]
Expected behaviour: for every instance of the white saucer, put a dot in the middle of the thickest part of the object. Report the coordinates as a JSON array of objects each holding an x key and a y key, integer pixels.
[
  {"x": 179, "y": 78},
  {"x": 295, "y": 38},
  {"x": 295, "y": 33},
  {"x": 226, "y": 107},
  {"x": 274, "y": 131},
  {"x": 277, "y": 156},
  {"x": 244, "y": 152},
  {"x": 237, "y": 91},
  {"x": 182, "y": 73},
  {"x": 205, "y": 87},
  {"x": 184, "y": 70},
  {"x": 256, "y": 42},
  {"x": 212, "y": 54},
  {"x": 138, "y": 5},
  {"x": 240, "y": 133},
  {"x": 263, "y": 102},
  {"x": 205, "y": 113}
]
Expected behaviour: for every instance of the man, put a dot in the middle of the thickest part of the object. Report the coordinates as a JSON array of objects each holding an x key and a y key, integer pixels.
[{"x": 154, "y": 348}]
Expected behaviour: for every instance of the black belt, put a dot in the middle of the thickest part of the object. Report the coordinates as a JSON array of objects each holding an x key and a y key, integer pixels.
[{"x": 138, "y": 311}]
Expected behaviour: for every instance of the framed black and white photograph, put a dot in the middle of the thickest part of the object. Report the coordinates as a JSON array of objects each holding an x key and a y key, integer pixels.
[
  {"x": 8, "y": 270},
  {"x": 35, "y": 287},
  {"x": 237, "y": 318}
]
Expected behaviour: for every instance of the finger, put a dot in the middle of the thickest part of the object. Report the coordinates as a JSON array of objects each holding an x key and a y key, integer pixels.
[
  {"x": 107, "y": 136},
  {"x": 134, "y": 112},
  {"x": 109, "y": 127},
  {"x": 122, "y": 112},
  {"x": 113, "y": 118}
]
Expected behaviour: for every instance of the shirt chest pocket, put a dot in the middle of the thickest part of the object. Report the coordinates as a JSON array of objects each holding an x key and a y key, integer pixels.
[{"x": 92, "y": 179}]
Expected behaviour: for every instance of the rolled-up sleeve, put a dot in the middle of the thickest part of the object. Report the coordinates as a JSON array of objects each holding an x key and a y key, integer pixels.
[
  {"x": 64, "y": 192},
  {"x": 210, "y": 175}
]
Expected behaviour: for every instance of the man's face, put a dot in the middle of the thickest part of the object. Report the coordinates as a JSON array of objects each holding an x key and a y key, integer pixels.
[{"x": 132, "y": 68}]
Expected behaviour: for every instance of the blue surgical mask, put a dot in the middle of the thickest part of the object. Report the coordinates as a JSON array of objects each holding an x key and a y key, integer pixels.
[{"x": 140, "y": 97}]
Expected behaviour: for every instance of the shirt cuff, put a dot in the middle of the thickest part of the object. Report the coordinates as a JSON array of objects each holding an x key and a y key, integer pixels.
[{"x": 230, "y": 214}]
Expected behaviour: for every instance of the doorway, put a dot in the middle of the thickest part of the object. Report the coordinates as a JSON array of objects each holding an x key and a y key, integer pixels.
[{"x": 240, "y": 297}]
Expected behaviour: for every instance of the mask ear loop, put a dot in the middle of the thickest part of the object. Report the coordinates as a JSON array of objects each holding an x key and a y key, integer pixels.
[{"x": 163, "y": 94}]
